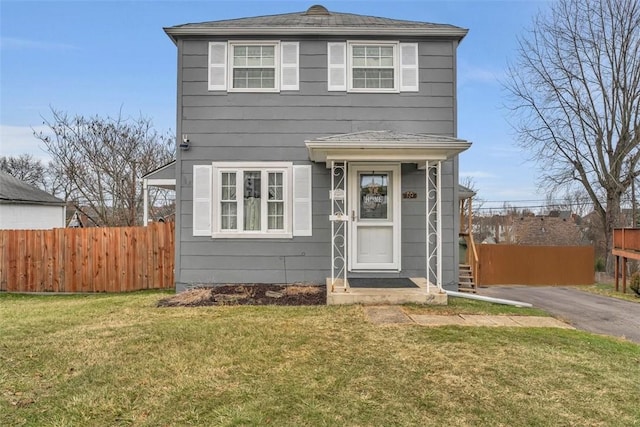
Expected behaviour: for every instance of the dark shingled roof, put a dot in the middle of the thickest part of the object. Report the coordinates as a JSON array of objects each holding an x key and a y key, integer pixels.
[
  {"x": 13, "y": 190},
  {"x": 317, "y": 20}
]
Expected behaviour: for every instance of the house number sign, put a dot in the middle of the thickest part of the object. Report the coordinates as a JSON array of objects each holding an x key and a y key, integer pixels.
[{"x": 409, "y": 195}]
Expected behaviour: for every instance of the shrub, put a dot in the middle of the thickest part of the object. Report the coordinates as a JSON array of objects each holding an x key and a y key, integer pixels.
[
  {"x": 600, "y": 265},
  {"x": 635, "y": 283}
]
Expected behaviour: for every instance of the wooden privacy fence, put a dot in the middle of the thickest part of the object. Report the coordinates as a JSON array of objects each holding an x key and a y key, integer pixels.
[
  {"x": 109, "y": 259},
  {"x": 535, "y": 265}
]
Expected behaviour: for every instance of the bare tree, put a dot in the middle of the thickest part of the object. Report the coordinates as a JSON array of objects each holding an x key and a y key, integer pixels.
[
  {"x": 25, "y": 168},
  {"x": 99, "y": 161},
  {"x": 575, "y": 201},
  {"x": 575, "y": 95}
]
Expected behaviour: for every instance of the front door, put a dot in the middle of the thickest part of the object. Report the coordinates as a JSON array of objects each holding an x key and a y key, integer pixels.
[{"x": 374, "y": 204}]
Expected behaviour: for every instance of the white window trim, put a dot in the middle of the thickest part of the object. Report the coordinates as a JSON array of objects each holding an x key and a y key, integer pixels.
[
  {"x": 396, "y": 65},
  {"x": 276, "y": 59},
  {"x": 264, "y": 168}
]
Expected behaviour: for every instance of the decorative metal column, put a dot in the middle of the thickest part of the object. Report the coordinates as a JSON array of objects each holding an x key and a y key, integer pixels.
[
  {"x": 433, "y": 191},
  {"x": 338, "y": 218}
]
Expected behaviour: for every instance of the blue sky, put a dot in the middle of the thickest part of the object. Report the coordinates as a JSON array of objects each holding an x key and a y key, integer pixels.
[{"x": 100, "y": 57}]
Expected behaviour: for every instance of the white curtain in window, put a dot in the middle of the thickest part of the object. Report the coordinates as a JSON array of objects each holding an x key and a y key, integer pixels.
[{"x": 252, "y": 214}]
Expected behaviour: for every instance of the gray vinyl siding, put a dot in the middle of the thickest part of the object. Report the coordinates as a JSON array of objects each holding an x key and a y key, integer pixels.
[{"x": 273, "y": 127}]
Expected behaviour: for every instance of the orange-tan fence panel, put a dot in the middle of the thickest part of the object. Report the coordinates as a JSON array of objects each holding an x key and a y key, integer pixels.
[
  {"x": 535, "y": 265},
  {"x": 109, "y": 259}
]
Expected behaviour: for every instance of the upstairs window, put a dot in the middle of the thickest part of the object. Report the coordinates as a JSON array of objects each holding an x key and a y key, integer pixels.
[
  {"x": 371, "y": 66},
  {"x": 253, "y": 66}
]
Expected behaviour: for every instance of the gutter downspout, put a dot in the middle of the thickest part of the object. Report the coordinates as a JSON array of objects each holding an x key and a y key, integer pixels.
[{"x": 487, "y": 299}]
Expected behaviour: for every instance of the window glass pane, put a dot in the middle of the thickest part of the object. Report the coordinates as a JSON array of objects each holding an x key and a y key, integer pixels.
[
  {"x": 240, "y": 78},
  {"x": 254, "y": 78},
  {"x": 373, "y": 62},
  {"x": 373, "y": 50},
  {"x": 254, "y": 61},
  {"x": 358, "y": 51},
  {"x": 252, "y": 185},
  {"x": 229, "y": 186},
  {"x": 229, "y": 215},
  {"x": 275, "y": 186},
  {"x": 386, "y": 51},
  {"x": 373, "y": 195},
  {"x": 373, "y": 78},
  {"x": 276, "y": 216},
  {"x": 359, "y": 62},
  {"x": 268, "y": 55},
  {"x": 240, "y": 55},
  {"x": 386, "y": 84},
  {"x": 386, "y": 62},
  {"x": 254, "y": 51}
]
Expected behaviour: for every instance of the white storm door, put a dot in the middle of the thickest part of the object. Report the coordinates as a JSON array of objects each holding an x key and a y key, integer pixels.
[{"x": 374, "y": 203}]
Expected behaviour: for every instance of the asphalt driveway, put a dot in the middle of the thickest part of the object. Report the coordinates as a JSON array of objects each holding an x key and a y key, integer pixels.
[{"x": 589, "y": 312}]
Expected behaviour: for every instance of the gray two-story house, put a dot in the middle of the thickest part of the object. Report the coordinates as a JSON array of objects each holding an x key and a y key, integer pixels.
[{"x": 317, "y": 147}]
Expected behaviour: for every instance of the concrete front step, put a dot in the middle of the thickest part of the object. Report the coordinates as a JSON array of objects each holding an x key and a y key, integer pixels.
[{"x": 341, "y": 294}]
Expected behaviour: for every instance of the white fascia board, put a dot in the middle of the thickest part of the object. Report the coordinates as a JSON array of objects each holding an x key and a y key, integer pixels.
[
  {"x": 402, "y": 152},
  {"x": 167, "y": 183},
  {"x": 457, "y": 33}
]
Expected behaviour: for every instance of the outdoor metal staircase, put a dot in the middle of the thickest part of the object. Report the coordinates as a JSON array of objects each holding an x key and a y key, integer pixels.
[{"x": 466, "y": 282}]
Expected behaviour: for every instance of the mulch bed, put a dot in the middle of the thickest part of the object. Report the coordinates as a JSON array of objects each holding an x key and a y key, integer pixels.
[{"x": 248, "y": 294}]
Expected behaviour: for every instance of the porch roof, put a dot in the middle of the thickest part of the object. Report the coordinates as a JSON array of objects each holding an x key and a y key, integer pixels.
[
  {"x": 162, "y": 177},
  {"x": 385, "y": 145}
]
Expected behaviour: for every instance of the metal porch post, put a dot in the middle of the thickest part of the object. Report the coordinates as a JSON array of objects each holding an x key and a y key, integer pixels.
[
  {"x": 433, "y": 224},
  {"x": 338, "y": 218}
]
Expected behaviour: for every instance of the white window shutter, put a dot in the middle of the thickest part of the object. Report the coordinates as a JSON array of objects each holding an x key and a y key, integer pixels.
[
  {"x": 289, "y": 68},
  {"x": 302, "y": 214},
  {"x": 217, "y": 66},
  {"x": 409, "y": 78},
  {"x": 337, "y": 66},
  {"x": 202, "y": 195}
]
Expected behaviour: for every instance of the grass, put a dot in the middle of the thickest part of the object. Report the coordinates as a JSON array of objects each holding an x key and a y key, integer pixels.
[
  {"x": 118, "y": 360},
  {"x": 608, "y": 289}
]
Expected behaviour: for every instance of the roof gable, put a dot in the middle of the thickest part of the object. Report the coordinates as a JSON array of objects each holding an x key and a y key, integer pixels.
[{"x": 316, "y": 20}]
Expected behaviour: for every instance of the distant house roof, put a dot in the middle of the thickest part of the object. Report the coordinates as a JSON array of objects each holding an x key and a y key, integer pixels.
[
  {"x": 547, "y": 231},
  {"x": 12, "y": 190},
  {"x": 316, "y": 20}
]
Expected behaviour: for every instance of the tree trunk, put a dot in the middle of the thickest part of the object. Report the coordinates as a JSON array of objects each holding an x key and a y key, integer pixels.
[{"x": 611, "y": 221}]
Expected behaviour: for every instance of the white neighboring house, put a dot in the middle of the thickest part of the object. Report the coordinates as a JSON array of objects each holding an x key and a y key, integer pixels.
[{"x": 25, "y": 207}]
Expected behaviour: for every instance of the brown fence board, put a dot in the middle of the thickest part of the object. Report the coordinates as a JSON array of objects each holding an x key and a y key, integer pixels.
[
  {"x": 536, "y": 265},
  {"x": 117, "y": 259}
]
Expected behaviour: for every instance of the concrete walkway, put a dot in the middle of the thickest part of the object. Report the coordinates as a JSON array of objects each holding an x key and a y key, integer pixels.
[{"x": 394, "y": 315}]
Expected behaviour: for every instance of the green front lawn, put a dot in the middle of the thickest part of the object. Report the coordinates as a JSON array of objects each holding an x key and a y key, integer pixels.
[{"x": 118, "y": 360}]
